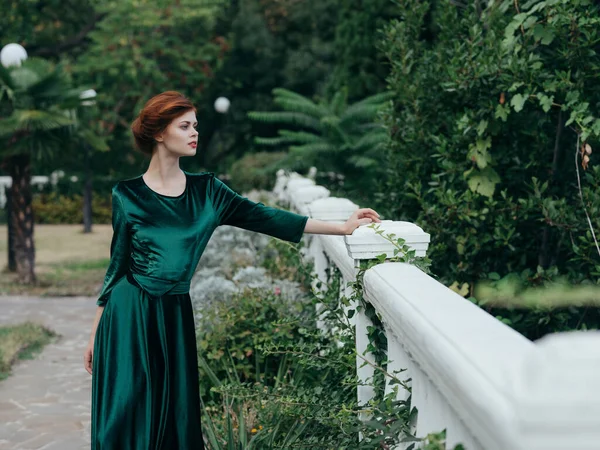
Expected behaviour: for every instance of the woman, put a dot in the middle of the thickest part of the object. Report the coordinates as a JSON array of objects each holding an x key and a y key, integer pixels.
[{"x": 142, "y": 348}]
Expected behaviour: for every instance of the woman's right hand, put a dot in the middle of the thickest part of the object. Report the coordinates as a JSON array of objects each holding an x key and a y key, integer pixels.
[{"x": 87, "y": 356}]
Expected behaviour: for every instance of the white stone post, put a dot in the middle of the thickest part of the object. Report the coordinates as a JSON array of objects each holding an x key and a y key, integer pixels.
[
  {"x": 280, "y": 188},
  {"x": 293, "y": 185},
  {"x": 308, "y": 194},
  {"x": 329, "y": 209},
  {"x": 365, "y": 243}
]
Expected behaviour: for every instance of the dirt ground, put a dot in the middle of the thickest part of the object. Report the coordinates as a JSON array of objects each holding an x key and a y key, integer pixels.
[{"x": 68, "y": 262}]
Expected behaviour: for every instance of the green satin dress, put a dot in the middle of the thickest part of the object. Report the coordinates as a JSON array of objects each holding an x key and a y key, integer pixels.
[{"x": 145, "y": 392}]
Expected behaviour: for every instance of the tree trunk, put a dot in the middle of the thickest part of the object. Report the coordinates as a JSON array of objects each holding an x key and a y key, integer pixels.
[
  {"x": 87, "y": 192},
  {"x": 21, "y": 217},
  {"x": 544, "y": 255},
  {"x": 12, "y": 261}
]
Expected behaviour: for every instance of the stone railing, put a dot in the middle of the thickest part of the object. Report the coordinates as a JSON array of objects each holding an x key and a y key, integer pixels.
[
  {"x": 37, "y": 180},
  {"x": 485, "y": 384}
]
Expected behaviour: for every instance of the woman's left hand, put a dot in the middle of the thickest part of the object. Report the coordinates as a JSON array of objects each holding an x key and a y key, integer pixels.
[{"x": 360, "y": 217}]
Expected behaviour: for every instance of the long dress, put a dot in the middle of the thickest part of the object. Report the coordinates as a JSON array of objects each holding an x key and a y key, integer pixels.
[{"x": 145, "y": 392}]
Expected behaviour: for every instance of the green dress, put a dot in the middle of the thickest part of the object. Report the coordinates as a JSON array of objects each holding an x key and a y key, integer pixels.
[{"x": 145, "y": 392}]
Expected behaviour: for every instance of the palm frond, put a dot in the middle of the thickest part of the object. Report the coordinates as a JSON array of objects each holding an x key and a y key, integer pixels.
[
  {"x": 274, "y": 141},
  {"x": 287, "y": 137},
  {"x": 291, "y": 95},
  {"x": 309, "y": 108},
  {"x": 333, "y": 129},
  {"x": 363, "y": 162},
  {"x": 289, "y": 118},
  {"x": 371, "y": 140},
  {"x": 302, "y": 137},
  {"x": 376, "y": 99},
  {"x": 33, "y": 120},
  {"x": 5, "y": 79},
  {"x": 312, "y": 149},
  {"x": 339, "y": 102},
  {"x": 23, "y": 77},
  {"x": 362, "y": 113}
]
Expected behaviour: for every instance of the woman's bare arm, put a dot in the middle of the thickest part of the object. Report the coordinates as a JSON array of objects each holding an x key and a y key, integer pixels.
[{"x": 359, "y": 217}]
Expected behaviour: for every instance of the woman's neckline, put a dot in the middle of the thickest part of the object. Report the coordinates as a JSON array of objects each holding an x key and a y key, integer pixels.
[{"x": 187, "y": 182}]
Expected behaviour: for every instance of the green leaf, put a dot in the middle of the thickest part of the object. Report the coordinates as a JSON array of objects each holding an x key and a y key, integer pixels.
[
  {"x": 484, "y": 182},
  {"x": 545, "y": 101},
  {"x": 502, "y": 112},
  {"x": 291, "y": 118},
  {"x": 482, "y": 127},
  {"x": 543, "y": 34},
  {"x": 517, "y": 102},
  {"x": 479, "y": 152},
  {"x": 596, "y": 127},
  {"x": 529, "y": 22}
]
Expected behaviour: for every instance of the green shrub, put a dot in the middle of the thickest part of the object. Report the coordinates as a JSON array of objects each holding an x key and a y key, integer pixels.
[
  {"x": 270, "y": 379},
  {"x": 255, "y": 171},
  {"x": 53, "y": 208},
  {"x": 490, "y": 108},
  {"x": 284, "y": 261},
  {"x": 230, "y": 335}
]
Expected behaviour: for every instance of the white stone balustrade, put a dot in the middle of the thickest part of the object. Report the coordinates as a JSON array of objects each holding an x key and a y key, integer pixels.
[
  {"x": 331, "y": 209},
  {"x": 6, "y": 182},
  {"x": 281, "y": 183},
  {"x": 488, "y": 386},
  {"x": 294, "y": 184},
  {"x": 365, "y": 244},
  {"x": 308, "y": 194}
]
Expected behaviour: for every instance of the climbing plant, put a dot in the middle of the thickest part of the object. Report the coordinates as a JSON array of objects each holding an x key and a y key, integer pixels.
[{"x": 493, "y": 126}]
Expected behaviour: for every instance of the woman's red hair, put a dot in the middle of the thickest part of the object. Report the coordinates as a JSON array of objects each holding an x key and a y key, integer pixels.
[{"x": 157, "y": 114}]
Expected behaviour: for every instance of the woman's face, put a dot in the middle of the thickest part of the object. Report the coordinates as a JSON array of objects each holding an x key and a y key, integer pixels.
[{"x": 181, "y": 137}]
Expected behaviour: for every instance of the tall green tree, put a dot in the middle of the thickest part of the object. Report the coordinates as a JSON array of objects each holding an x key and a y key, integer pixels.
[
  {"x": 494, "y": 107},
  {"x": 360, "y": 64},
  {"x": 38, "y": 106},
  {"x": 51, "y": 29},
  {"x": 167, "y": 46},
  {"x": 270, "y": 44}
]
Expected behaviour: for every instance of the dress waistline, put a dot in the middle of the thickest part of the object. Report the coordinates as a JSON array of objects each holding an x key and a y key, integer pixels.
[{"x": 157, "y": 287}]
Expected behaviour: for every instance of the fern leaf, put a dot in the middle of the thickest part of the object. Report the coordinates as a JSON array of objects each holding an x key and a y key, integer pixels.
[
  {"x": 291, "y": 95},
  {"x": 371, "y": 140},
  {"x": 309, "y": 109},
  {"x": 273, "y": 142},
  {"x": 362, "y": 162},
  {"x": 301, "y": 137},
  {"x": 360, "y": 113},
  {"x": 312, "y": 149},
  {"x": 289, "y": 118},
  {"x": 339, "y": 102},
  {"x": 377, "y": 99}
]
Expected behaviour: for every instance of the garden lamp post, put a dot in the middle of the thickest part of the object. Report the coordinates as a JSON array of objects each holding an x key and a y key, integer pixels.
[
  {"x": 11, "y": 55},
  {"x": 222, "y": 105},
  {"x": 88, "y": 99}
]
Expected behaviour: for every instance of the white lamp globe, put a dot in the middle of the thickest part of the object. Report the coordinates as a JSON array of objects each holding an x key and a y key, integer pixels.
[
  {"x": 88, "y": 97},
  {"x": 12, "y": 55},
  {"x": 222, "y": 105}
]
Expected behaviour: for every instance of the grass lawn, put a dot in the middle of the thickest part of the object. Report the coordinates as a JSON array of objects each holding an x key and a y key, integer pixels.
[
  {"x": 68, "y": 262},
  {"x": 22, "y": 341}
]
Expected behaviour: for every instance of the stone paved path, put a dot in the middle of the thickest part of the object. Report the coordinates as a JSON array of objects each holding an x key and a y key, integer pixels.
[{"x": 45, "y": 403}]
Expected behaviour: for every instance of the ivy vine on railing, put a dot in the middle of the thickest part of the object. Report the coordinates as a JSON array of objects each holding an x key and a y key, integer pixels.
[{"x": 378, "y": 341}]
